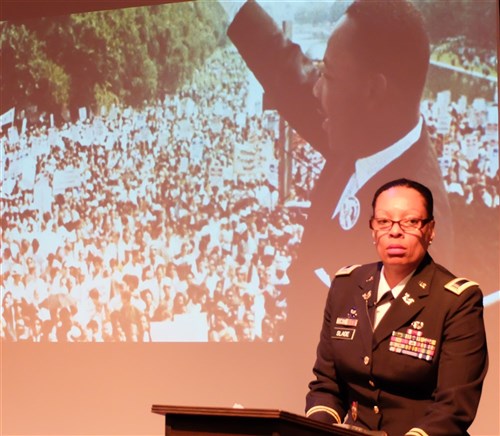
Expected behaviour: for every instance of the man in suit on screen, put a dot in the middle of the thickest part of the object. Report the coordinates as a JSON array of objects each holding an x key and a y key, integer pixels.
[{"x": 361, "y": 110}]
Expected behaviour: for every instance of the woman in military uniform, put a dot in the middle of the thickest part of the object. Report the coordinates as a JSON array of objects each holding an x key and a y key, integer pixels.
[{"x": 402, "y": 347}]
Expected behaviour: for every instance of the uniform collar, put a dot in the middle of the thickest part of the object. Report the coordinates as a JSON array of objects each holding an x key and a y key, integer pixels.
[
  {"x": 410, "y": 301},
  {"x": 383, "y": 286}
]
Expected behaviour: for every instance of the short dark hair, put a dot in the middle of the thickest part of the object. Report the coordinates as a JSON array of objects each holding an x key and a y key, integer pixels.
[
  {"x": 424, "y": 191},
  {"x": 392, "y": 40}
]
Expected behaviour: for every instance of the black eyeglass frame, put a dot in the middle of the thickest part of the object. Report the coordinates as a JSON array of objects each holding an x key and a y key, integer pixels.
[{"x": 422, "y": 222}]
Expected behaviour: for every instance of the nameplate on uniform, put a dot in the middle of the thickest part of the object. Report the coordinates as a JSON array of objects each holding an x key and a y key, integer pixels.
[
  {"x": 346, "y": 334},
  {"x": 350, "y": 322}
]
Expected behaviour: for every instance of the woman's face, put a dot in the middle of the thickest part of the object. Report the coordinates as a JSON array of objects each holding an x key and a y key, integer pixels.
[{"x": 395, "y": 246}]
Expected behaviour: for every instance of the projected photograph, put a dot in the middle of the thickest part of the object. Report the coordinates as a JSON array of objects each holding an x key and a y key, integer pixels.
[{"x": 152, "y": 192}]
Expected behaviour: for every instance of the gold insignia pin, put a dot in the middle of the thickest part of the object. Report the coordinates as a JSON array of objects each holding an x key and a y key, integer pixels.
[
  {"x": 367, "y": 295},
  {"x": 417, "y": 325},
  {"x": 407, "y": 299},
  {"x": 423, "y": 285}
]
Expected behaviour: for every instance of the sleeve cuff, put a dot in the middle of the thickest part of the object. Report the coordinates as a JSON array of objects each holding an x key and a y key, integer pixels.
[
  {"x": 328, "y": 410},
  {"x": 415, "y": 431}
]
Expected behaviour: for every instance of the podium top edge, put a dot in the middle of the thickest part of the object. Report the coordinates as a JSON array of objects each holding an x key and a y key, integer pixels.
[{"x": 221, "y": 411}]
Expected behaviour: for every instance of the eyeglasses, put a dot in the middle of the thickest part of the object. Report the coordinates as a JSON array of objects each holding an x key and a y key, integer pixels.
[{"x": 405, "y": 224}]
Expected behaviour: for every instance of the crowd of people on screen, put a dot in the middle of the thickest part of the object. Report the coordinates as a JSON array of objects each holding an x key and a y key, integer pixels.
[
  {"x": 132, "y": 224},
  {"x": 458, "y": 53}
]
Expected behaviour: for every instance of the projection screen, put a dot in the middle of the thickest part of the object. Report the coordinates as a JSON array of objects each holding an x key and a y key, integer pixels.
[{"x": 154, "y": 204}]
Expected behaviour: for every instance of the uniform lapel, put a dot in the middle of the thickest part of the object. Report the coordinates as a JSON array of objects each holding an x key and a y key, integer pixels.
[
  {"x": 364, "y": 297},
  {"x": 411, "y": 301}
]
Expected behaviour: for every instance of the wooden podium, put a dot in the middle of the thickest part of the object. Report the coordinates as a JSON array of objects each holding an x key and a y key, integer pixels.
[{"x": 198, "y": 421}]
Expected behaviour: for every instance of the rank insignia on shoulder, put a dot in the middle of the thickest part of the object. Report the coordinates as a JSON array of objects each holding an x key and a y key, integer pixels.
[
  {"x": 460, "y": 284},
  {"x": 346, "y": 270}
]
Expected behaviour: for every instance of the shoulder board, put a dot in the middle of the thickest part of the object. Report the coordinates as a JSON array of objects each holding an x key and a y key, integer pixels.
[
  {"x": 346, "y": 270},
  {"x": 458, "y": 285}
]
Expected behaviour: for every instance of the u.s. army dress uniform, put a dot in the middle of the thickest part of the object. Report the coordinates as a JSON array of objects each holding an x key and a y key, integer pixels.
[{"x": 420, "y": 372}]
